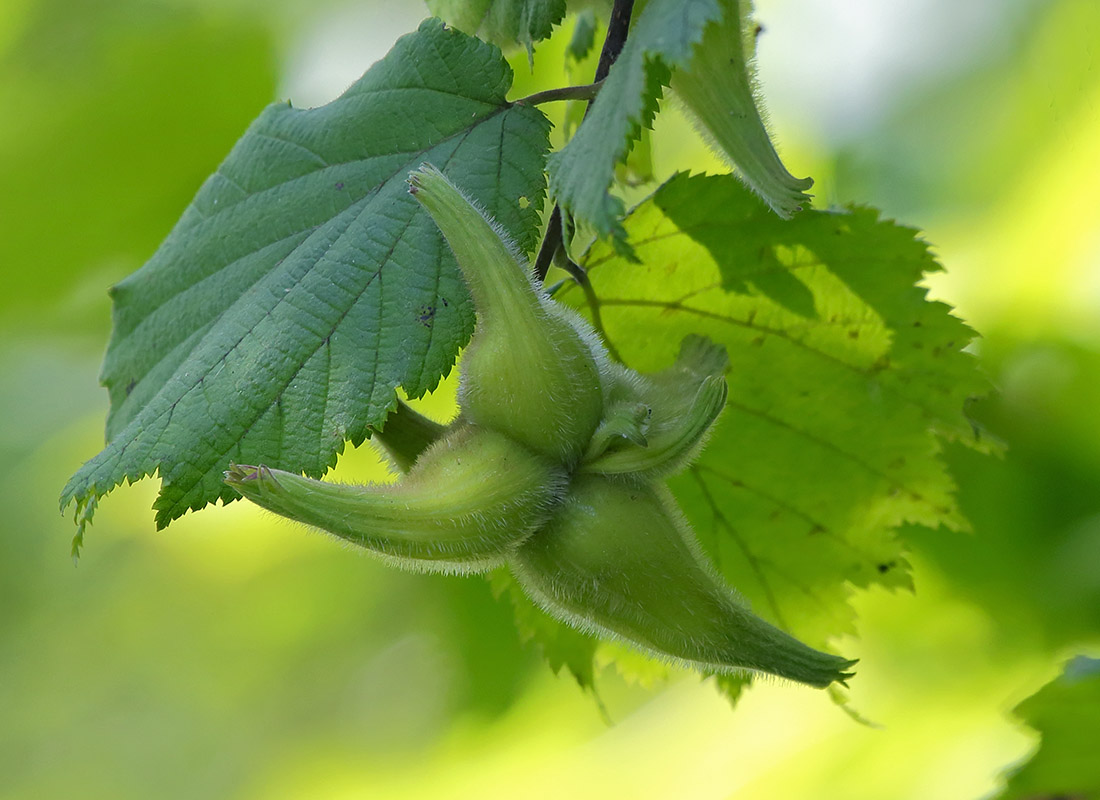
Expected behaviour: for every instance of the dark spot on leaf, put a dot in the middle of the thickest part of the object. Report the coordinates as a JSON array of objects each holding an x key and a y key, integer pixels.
[
  {"x": 853, "y": 334},
  {"x": 339, "y": 185},
  {"x": 759, "y": 340},
  {"x": 425, "y": 315},
  {"x": 445, "y": 303},
  {"x": 916, "y": 323},
  {"x": 130, "y": 386},
  {"x": 886, "y": 567}
]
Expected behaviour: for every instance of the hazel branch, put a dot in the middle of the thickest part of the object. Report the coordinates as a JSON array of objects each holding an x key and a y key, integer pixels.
[
  {"x": 618, "y": 26},
  {"x": 587, "y": 91}
]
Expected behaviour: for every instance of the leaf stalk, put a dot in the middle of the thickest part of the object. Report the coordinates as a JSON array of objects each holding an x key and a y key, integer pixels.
[
  {"x": 618, "y": 26},
  {"x": 586, "y": 91}
]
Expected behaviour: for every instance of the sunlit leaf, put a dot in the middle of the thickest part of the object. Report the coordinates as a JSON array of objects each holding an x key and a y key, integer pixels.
[{"x": 843, "y": 380}]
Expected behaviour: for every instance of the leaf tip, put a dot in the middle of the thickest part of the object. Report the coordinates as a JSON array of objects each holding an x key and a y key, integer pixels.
[{"x": 85, "y": 501}]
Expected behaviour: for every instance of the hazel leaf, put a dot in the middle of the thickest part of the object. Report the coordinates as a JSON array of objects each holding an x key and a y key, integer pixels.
[
  {"x": 844, "y": 380},
  {"x": 303, "y": 284},
  {"x": 582, "y": 172},
  {"x": 718, "y": 89}
]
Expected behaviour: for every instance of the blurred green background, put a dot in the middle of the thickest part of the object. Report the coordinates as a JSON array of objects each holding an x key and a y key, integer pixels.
[{"x": 236, "y": 657}]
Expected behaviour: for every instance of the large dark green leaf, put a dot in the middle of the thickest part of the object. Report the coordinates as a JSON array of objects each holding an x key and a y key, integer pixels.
[{"x": 303, "y": 284}]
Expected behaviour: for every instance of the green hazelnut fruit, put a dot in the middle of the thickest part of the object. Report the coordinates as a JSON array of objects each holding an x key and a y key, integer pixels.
[
  {"x": 469, "y": 499},
  {"x": 553, "y": 468},
  {"x": 530, "y": 371},
  {"x": 617, "y": 559},
  {"x": 681, "y": 403}
]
